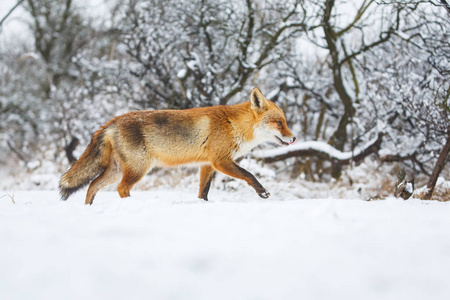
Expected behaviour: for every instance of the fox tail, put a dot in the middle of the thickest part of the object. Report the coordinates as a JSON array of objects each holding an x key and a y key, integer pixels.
[{"x": 91, "y": 164}]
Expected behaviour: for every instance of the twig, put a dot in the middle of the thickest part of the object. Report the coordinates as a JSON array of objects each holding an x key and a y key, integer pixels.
[
  {"x": 10, "y": 12},
  {"x": 11, "y": 197}
]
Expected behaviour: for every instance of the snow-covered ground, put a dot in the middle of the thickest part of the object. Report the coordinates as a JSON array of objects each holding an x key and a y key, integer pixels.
[{"x": 166, "y": 244}]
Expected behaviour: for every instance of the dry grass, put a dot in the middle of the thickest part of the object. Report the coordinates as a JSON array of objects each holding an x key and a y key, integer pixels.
[
  {"x": 441, "y": 193},
  {"x": 166, "y": 177},
  {"x": 11, "y": 197}
]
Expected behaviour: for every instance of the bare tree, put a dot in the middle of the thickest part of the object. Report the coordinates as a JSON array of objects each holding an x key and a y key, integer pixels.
[{"x": 207, "y": 51}]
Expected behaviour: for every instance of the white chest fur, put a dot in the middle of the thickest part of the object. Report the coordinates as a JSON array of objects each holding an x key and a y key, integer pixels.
[
  {"x": 260, "y": 135},
  {"x": 244, "y": 148}
]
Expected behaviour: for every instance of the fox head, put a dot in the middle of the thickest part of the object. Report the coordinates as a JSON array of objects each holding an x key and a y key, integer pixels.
[{"x": 270, "y": 121}]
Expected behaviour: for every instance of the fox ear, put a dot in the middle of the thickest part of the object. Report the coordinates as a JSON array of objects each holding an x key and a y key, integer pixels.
[{"x": 259, "y": 102}]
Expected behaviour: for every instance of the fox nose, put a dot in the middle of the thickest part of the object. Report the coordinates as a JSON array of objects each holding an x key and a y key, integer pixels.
[{"x": 293, "y": 140}]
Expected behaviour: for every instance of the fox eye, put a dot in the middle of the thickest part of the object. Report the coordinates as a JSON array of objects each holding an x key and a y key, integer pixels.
[{"x": 279, "y": 123}]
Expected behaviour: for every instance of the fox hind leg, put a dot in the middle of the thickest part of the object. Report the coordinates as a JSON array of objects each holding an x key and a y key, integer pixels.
[
  {"x": 132, "y": 175},
  {"x": 111, "y": 174}
]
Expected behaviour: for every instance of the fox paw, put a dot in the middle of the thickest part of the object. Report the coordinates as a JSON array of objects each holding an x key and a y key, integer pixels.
[{"x": 265, "y": 194}]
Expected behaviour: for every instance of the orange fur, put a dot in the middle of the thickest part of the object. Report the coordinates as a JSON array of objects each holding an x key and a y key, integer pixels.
[{"x": 128, "y": 146}]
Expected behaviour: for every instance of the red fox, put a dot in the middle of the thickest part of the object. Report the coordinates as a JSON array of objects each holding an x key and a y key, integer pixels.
[{"x": 128, "y": 146}]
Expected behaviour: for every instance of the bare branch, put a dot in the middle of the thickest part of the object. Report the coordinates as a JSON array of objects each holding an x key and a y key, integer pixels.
[
  {"x": 446, "y": 5},
  {"x": 10, "y": 12},
  {"x": 359, "y": 14},
  {"x": 333, "y": 154}
]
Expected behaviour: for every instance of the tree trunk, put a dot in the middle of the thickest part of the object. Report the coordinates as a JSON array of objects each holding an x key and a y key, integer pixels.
[
  {"x": 437, "y": 169},
  {"x": 339, "y": 137}
]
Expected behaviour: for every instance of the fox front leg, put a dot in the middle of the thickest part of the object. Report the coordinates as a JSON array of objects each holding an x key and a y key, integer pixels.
[
  {"x": 232, "y": 169},
  {"x": 206, "y": 176}
]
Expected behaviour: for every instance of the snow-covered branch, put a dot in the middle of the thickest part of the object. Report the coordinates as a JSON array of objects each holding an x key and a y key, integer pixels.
[{"x": 322, "y": 150}]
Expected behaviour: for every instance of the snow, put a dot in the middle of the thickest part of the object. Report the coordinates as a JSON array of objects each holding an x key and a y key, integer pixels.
[
  {"x": 30, "y": 55},
  {"x": 409, "y": 187},
  {"x": 273, "y": 93},
  {"x": 313, "y": 145},
  {"x": 182, "y": 73},
  {"x": 318, "y": 146},
  {"x": 165, "y": 244}
]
